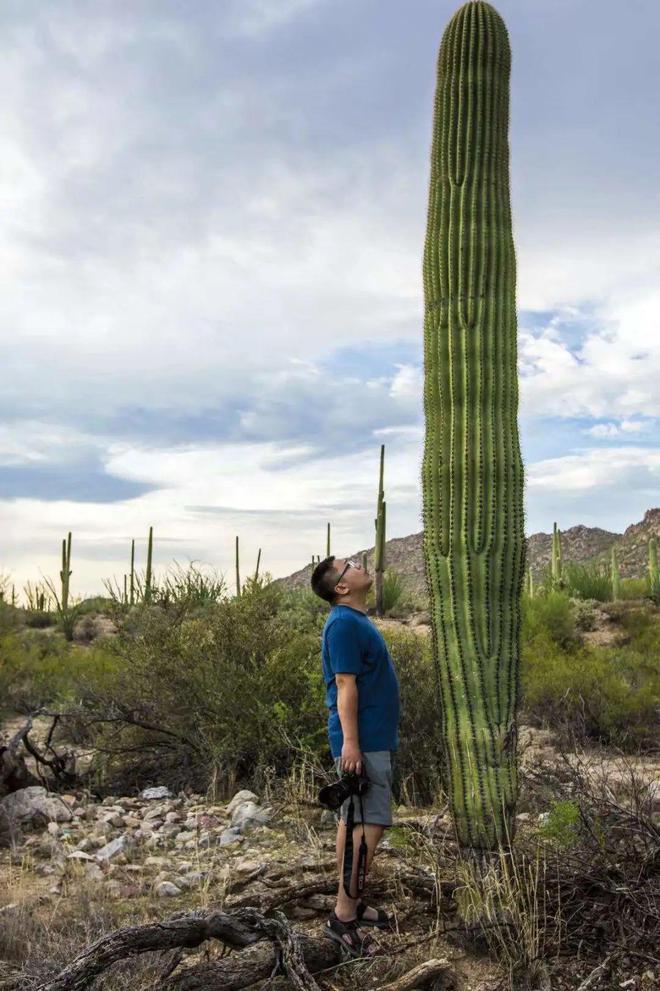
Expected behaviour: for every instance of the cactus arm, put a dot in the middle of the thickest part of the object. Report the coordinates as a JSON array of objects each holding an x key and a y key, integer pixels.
[{"x": 472, "y": 473}]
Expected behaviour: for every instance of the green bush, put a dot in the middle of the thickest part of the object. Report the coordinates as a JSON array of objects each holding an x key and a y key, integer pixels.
[
  {"x": 597, "y": 693},
  {"x": 633, "y": 588},
  {"x": 39, "y": 669},
  {"x": 587, "y": 581},
  {"x": 551, "y": 614},
  {"x": 392, "y": 589},
  {"x": 562, "y": 823}
]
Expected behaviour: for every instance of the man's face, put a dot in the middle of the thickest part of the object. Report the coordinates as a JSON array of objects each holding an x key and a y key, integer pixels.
[{"x": 354, "y": 578}]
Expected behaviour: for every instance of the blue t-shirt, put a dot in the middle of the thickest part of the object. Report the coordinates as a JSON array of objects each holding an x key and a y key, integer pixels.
[{"x": 352, "y": 644}]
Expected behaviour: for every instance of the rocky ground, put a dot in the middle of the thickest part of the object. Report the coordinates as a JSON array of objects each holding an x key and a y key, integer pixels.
[{"x": 144, "y": 857}]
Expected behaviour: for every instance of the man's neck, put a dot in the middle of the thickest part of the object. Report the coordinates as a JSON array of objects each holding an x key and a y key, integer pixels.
[{"x": 354, "y": 602}]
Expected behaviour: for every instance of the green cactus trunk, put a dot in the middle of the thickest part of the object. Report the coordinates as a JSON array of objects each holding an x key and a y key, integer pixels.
[
  {"x": 556, "y": 561},
  {"x": 380, "y": 526},
  {"x": 472, "y": 474},
  {"x": 238, "y": 573},
  {"x": 132, "y": 583},
  {"x": 65, "y": 573},
  {"x": 616, "y": 578},
  {"x": 365, "y": 561},
  {"x": 256, "y": 570},
  {"x": 147, "y": 579},
  {"x": 653, "y": 561},
  {"x": 327, "y": 542}
]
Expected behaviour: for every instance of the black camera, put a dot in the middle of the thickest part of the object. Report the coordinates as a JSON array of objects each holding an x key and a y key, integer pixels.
[{"x": 351, "y": 783}]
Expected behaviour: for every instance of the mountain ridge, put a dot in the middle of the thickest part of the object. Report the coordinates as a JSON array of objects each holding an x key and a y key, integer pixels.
[{"x": 580, "y": 543}]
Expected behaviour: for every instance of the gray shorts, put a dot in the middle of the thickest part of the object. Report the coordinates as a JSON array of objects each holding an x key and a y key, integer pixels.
[{"x": 377, "y": 801}]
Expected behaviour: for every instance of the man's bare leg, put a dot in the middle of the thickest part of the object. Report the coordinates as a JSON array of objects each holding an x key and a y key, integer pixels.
[{"x": 346, "y": 907}]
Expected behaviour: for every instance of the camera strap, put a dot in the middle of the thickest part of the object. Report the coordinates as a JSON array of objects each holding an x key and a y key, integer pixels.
[{"x": 348, "y": 852}]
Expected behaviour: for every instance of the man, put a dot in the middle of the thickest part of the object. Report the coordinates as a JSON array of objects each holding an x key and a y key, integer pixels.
[{"x": 362, "y": 695}]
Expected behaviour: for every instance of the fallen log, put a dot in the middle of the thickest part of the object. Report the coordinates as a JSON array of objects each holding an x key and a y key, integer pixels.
[{"x": 286, "y": 949}]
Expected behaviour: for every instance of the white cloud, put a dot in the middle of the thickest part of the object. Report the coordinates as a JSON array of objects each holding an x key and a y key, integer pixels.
[
  {"x": 625, "y": 468},
  {"x": 254, "y": 17},
  {"x": 612, "y": 372}
]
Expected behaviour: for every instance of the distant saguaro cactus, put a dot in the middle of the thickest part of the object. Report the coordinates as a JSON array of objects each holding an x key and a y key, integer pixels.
[
  {"x": 132, "y": 581},
  {"x": 472, "y": 474},
  {"x": 380, "y": 525},
  {"x": 238, "y": 572},
  {"x": 327, "y": 542},
  {"x": 556, "y": 570},
  {"x": 148, "y": 575},
  {"x": 65, "y": 573},
  {"x": 616, "y": 578},
  {"x": 653, "y": 561}
]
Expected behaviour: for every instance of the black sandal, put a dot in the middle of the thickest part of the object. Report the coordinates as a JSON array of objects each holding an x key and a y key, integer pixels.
[
  {"x": 356, "y": 945},
  {"x": 382, "y": 922}
]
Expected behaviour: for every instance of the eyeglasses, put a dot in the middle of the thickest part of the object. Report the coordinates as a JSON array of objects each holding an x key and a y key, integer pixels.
[{"x": 349, "y": 564}]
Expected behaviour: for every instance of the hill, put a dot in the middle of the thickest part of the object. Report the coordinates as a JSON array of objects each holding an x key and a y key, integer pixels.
[{"x": 579, "y": 543}]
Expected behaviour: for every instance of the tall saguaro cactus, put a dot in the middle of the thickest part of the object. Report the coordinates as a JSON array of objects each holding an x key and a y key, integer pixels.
[
  {"x": 65, "y": 573},
  {"x": 148, "y": 573},
  {"x": 238, "y": 572},
  {"x": 653, "y": 561},
  {"x": 472, "y": 474},
  {"x": 556, "y": 573},
  {"x": 380, "y": 524},
  {"x": 616, "y": 577}
]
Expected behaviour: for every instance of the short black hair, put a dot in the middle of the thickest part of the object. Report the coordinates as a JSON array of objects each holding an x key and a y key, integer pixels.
[{"x": 324, "y": 579}]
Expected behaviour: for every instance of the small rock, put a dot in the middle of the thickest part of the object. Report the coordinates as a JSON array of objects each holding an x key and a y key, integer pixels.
[
  {"x": 80, "y": 855},
  {"x": 34, "y": 804},
  {"x": 523, "y": 817},
  {"x": 115, "y": 819},
  {"x": 156, "y": 862},
  {"x": 156, "y": 793},
  {"x": 421, "y": 619},
  {"x": 54, "y": 828},
  {"x": 240, "y": 797},
  {"x": 249, "y": 814},
  {"x": 173, "y": 817},
  {"x": 228, "y": 836},
  {"x": 114, "y": 848},
  {"x": 166, "y": 889},
  {"x": 246, "y": 866},
  {"x": 93, "y": 872},
  {"x": 113, "y": 888}
]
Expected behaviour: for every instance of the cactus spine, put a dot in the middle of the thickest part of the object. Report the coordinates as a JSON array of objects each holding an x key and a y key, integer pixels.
[
  {"x": 556, "y": 561},
  {"x": 65, "y": 573},
  {"x": 472, "y": 474},
  {"x": 616, "y": 578},
  {"x": 238, "y": 573},
  {"x": 380, "y": 527},
  {"x": 147, "y": 580}
]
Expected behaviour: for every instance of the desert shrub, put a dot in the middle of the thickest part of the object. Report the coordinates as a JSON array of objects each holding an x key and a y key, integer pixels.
[
  {"x": 36, "y": 619},
  {"x": 392, "y": 589},
  {"x": 561, "y": 824},
  {"x": 418, "y": 761},
  {"x": 551, "y": 614},
  {"x": 598, "y": 693},
  {"x": 587, "y": 581},
  {"x": 632, "y": 588},
  {"x": 218, "y": 693},
  {"x": 41, "y": 670},
  {"x": 584, "y": 614}
]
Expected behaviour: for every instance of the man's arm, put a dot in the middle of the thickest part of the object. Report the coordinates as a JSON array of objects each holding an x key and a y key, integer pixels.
[{"x": 347, "y": 707}]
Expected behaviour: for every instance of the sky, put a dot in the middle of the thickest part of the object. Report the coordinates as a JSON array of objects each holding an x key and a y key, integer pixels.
[{"x": 213, "y": 216}]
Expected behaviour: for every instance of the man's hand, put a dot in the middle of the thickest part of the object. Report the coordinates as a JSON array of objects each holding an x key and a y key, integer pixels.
[{"x": 351, "y": 757}]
